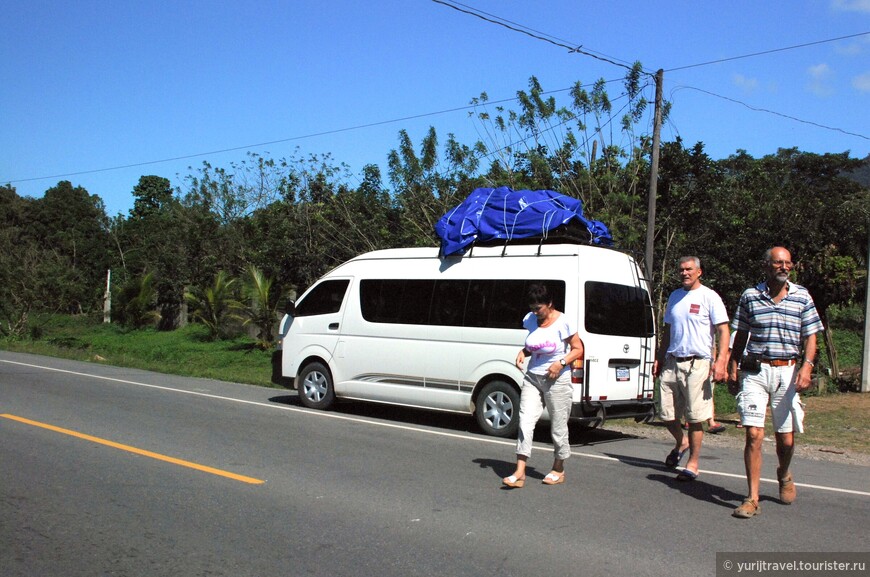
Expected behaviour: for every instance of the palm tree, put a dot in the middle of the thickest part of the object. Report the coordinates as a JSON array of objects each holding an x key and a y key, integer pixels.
[
  {"x": 261, "y": 308},
  {"x": 137, "y": 301},
  {"x": 216, "y": 306}
]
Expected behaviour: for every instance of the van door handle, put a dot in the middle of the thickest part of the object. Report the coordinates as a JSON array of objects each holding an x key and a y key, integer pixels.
[{"x": 333, "y": 326}]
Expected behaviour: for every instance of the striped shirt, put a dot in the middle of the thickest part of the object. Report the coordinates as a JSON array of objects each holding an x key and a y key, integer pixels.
[{"x": 776, "y": 330}]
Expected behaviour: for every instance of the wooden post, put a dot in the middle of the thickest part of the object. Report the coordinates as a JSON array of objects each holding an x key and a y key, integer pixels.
[
  {"x": 107, "y": 298},
  {"x": 865, "y": 358}
]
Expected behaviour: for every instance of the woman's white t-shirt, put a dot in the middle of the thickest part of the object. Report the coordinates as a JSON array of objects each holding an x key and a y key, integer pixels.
[{"x": 547, "y": 344}]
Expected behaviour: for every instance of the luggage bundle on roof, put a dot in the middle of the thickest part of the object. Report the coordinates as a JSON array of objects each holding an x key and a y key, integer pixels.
[{"x": 501, "y": 215}]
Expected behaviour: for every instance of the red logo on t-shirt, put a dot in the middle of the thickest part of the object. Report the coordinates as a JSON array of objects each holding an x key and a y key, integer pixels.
[{"x": 694, "y": 309}]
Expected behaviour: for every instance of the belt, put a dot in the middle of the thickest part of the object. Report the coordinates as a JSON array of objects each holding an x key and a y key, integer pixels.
[
  {"x": 691, "y": 358},
  {"x": 779, "y": 362}
]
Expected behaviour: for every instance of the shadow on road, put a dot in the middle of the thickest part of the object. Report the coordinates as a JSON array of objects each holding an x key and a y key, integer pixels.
[
  {"x": 698, "y": 489},
  {"x": 503, "y": 468},
  {"x": 579, "y": 435}
]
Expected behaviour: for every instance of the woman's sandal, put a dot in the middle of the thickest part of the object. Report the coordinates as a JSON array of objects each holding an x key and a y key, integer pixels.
[
  {"x": 514, "y": 482},
  {"x": 554, "y": 478}
]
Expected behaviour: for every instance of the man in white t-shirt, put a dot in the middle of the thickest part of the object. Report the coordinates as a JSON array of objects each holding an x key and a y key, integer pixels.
[{"x": 685, "y": 361}]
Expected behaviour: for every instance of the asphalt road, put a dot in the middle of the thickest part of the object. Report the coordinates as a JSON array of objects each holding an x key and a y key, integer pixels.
[{"x": 109, "y": 471}]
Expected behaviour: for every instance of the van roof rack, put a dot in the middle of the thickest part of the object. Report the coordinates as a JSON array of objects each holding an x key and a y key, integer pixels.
[{"x": 571, "y": 233}]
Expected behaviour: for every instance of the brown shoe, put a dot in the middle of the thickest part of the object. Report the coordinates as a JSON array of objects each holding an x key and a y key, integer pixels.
[
  {"x": 787, "y": 491},
  {"x": 749, "y": 508}
]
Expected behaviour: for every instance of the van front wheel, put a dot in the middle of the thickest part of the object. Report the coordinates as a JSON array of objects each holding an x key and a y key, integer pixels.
[
  {"x": 498, "y": 409},
  {"x": 315, "y": 387}
]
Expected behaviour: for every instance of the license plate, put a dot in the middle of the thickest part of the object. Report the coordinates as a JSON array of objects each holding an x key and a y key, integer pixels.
[{"x": 622, "y": 374}]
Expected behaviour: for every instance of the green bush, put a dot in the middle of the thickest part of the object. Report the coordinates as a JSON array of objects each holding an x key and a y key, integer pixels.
[{"x": 849, "y": 317}]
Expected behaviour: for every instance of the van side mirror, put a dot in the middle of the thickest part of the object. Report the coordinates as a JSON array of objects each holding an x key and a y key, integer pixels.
[{"x": 290, "y": 308}]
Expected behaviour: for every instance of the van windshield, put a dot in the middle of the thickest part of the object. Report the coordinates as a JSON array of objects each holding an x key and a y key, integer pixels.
[{"x": 615, "y": 309}]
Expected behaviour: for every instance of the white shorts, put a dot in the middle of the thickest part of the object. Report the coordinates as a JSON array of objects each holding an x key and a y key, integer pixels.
[{"x": 772, "y": 386}]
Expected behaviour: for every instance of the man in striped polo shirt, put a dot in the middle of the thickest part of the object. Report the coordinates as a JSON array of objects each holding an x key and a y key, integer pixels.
[{"x": 780, "y": 321}]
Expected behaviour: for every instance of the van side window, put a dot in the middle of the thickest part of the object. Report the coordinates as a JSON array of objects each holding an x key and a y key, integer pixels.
[
  {"x": 414, "y": 301},
  {"x": 325, "y": 298},
  {"x": 505, "y": 304},
  {"x": 498, "y": 304},
  {"x": 615, "y": 309},
  {"x": 396, "y": 300},
  {"x": 448, "y": 306}
]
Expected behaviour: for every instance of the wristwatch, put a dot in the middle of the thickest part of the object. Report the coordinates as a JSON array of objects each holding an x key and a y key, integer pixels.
[{"x": 562, "y": 362}]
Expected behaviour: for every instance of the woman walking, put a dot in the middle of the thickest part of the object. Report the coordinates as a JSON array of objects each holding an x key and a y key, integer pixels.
[{"x": 553, "y": 344}]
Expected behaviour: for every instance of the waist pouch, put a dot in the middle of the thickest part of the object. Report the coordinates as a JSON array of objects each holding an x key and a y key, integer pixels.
[{"x": 750, "y": 363}]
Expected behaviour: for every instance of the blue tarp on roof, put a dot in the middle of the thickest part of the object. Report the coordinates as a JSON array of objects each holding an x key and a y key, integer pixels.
[{"x": 492, "y": 214}]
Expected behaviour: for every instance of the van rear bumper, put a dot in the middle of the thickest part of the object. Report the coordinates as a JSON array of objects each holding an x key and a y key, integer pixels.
[{"x": 595, "y": 413}]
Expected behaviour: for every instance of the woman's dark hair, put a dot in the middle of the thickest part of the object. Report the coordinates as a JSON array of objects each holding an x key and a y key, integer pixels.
[{"x": 539, "y": 294}]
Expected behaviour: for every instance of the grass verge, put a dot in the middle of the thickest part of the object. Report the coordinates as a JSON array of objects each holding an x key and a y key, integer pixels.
[{"x": 185, "y": 352}]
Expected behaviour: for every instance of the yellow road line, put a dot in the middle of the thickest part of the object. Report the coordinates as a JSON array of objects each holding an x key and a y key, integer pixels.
[{"x": 138, "y": 451}]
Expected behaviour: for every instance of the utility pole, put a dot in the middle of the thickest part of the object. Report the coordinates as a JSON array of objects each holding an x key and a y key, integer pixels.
[{"x": 654, "y": 177}]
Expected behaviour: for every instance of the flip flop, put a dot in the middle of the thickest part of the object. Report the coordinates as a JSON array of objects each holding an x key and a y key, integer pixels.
[
  {"x": 554, "y": 479},
  {"x": 718, "y": 428},
  {"x": 687, "y": 475},
  {"x": 674, "y": 457},
  {"x": 514, "y": 482}
]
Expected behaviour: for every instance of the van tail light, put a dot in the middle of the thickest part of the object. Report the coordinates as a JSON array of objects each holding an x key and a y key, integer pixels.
[{"x": 577, "y": 372}]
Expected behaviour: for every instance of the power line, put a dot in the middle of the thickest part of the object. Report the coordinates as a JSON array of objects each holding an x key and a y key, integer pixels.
[
  {"x": 279, "y": 141},
  {"x": 511, "y": 26},
  {"x": 756, "y": 109},
  {"x": 767, "y": 52},
  {"x": 516, "y": 27},
  {"x": 561, "y": 43},
  {"x": 529, "y": 32},
  {"x": 258, "y": 145}
]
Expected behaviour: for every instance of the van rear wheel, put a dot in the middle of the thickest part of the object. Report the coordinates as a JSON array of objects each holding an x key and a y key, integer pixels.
[
  {"x": 497, "y": 409},
  {"x": 315, "y": 387}
]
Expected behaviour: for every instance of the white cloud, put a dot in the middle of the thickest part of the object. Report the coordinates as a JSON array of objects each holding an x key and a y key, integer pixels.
[
  {"x": 747, "y": 84},
  {"x": 851, "y": 49},
  {"x": 819, "y": 71},
  {"x": 851, "y": 5},
  {"x": 862, "y": 82},
  {"x": 820, "y": 80}
]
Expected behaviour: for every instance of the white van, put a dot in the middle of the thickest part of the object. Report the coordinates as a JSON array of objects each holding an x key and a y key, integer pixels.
[{"x": 411, "y": 327}]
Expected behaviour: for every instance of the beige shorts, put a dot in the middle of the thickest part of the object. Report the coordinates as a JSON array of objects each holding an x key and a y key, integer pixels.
[{"x": 686, "y": 391}]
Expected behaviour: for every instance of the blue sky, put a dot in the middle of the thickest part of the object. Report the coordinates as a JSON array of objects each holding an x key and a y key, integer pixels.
[{"x": 93, "y": 85}]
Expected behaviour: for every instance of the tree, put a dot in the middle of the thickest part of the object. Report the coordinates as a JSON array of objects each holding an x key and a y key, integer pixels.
[
  {"x": 573, "y": 149},
  {"x": 234, "y": 193},
  {"x": 426, "y": 187},
  {"x": 16, "y": 289},
  {"x": 70, "y": 228},
  {"x": 154, "y": 240},
  {"x": 216, "y": 306}
]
